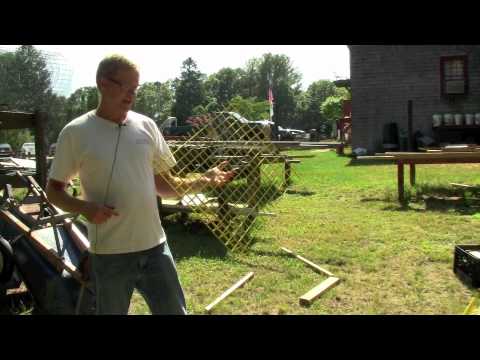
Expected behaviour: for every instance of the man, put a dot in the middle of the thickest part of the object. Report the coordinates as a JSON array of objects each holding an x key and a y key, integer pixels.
[{"x": 122, "y": 161}]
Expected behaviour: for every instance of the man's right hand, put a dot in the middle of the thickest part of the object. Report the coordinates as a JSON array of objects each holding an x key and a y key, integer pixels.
[{"x": 98, "y": 214}]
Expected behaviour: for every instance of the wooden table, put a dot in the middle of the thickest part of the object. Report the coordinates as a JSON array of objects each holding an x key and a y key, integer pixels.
[{"x": 412, "y": 159}]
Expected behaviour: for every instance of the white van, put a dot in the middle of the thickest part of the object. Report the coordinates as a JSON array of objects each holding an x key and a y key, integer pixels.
[{"x": 28, "y": 149}]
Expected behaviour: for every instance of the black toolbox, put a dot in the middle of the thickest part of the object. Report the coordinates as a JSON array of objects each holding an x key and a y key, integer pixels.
[{"x": 466, "y": 264}]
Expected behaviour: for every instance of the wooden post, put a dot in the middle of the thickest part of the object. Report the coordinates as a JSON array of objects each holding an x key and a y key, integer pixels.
[
  {"x": 288, "y": 173},
  {"x": 41, "y": 147},
  {"x": 410, "y": 125},
  {"x": 400, "y": 181},
  {"x": 340, "y": 148},
  {"x": 238, "y": 284},
  {"x": 412, "y": 174}
]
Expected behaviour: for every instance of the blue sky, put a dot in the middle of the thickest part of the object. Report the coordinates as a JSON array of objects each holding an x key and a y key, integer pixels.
[{"x": 163, "y": 62}]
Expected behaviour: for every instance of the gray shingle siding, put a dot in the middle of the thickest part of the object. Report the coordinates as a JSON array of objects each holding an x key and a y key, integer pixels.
[{"x": 385, "y": 77}]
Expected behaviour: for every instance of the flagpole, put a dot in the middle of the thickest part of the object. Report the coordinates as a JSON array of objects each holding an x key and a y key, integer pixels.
[{"x": 270, "y": 95}]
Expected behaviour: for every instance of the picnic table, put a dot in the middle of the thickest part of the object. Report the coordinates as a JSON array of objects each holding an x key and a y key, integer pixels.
[{"x": 414, "y": 158}]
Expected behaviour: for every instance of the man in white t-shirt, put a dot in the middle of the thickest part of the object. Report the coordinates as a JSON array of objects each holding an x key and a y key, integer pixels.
[{"x": 122, "y": 161}]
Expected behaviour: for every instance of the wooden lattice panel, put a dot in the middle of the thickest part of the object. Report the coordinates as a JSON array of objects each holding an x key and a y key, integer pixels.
[{"x": 262, "y": 175}]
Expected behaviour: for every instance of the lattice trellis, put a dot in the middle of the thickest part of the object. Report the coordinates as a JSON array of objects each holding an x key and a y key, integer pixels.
[{"x": 262, "y": 174}]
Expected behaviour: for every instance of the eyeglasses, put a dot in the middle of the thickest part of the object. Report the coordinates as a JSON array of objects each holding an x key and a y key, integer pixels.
[{"x": 124, "y": 87}]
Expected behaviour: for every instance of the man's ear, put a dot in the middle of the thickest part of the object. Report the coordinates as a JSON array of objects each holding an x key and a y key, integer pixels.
[{"x": 101, "y": 83}]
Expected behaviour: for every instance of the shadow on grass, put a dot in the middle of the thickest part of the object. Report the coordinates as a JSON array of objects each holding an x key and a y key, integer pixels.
[
  {"x": 299, "y": 192},
  {"x": 241, "y": 192},
  {"x": 368, "y": 162},
  {"x": 189, "y": 239},
  {"x": 437, "y": 198},
  {"x": 192, "y": 238},
  {"x": 260, "y": 253}
]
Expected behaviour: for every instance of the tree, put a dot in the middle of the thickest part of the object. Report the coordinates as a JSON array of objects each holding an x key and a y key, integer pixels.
[
  {"x": 223, "y": 86},
  {"x": 81, "y": 101},
  {"x": 6, "y": 74},
  {"x": 57, "y": 117},
  {"x": 249, "y": 80},
  {"x": 25, "y": 85},
  {"x": 332, "y": 108},
  {"x": 316, "y": 94},
  {"x": 249, "y": 108},
  {"x": 189, "y": 90},
  {"x": 155, "y": 100},
  {"x": 285, "y": 84}
]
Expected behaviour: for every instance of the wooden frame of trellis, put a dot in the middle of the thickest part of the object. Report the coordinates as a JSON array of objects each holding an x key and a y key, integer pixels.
[{"x": 262, "y": 175}]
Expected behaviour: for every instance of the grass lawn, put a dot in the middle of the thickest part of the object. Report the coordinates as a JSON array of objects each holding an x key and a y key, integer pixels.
[{"x": 390, "y": 259}]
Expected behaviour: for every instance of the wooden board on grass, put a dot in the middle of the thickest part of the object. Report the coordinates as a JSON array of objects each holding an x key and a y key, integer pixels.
[
  {"x": 238, "y": 284},
  {"x": 309, "y": 297}
]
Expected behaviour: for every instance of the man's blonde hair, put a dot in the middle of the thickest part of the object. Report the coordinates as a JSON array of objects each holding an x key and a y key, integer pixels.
[{"x": 111, "y": 64}]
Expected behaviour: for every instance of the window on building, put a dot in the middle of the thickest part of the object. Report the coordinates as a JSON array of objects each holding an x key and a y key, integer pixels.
[{"x": 453, "y": 74}]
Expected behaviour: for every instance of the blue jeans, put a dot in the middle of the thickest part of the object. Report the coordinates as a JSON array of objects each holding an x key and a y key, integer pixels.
[{"x": 152, "y": 272}]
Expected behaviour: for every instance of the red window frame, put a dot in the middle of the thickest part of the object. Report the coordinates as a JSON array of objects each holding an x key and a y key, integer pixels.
[{"x": 443, "y": 80}]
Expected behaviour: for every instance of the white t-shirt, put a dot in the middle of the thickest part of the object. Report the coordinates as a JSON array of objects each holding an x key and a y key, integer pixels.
[{"x": 100, "y": 152}]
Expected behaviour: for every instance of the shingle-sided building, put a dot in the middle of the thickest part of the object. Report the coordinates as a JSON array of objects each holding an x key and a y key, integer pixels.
[{"x": 435, "y": 79}]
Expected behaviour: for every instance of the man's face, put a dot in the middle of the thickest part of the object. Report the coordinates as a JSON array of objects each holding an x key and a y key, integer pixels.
[{"x": 120, "y": 89}]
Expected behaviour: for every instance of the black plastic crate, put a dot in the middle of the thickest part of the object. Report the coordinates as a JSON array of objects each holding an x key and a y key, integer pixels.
[{"x": 467, "y": 266}]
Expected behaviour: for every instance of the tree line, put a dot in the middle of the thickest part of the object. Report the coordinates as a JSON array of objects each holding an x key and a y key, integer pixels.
[{"x": 25, "y": 85}]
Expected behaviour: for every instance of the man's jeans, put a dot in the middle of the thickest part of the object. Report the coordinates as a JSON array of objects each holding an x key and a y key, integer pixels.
[{"x": 152, "y": 272}]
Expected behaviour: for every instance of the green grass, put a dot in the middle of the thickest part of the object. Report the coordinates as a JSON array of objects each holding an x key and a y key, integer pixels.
[{"x": 346, "y": 218}]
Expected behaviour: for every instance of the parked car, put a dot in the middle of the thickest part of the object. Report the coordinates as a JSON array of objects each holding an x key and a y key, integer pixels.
[
  {"x": 291, "y": 134},
  {"x": 6, "y": 150},
  {"x": 28, "y": 149},
  {"x": 261, "y": 129},
  {"x": 251, "y": 129},
  {"x": 170, "y": 128}
]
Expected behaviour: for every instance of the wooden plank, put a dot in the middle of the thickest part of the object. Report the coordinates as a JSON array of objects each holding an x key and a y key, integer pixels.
[
  {"x": 9, "y": 217},
  {"x": 460, "y": 147},
  {"x": 16, "y": 120},
  {"x": 307, "y": 298},
  {"x": 308, "y": 262},
  {"x": 49, "y": 253},
  {"x": 238, "y": 284},
  {"x": 463, "y": 185},
  {"x": 29, "y": 209},
  {"x": 376, "y": 157},
  {"x": 41, "y": 120},
  {"x": 23, "y": 163},
  {"x": 52, "y": 256},
  {"x": 434, "y": 155},
  {"x": 36, "y": 188},
  {"x": 77, "y": 236},
  {"x": 17, "y": 291}
]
